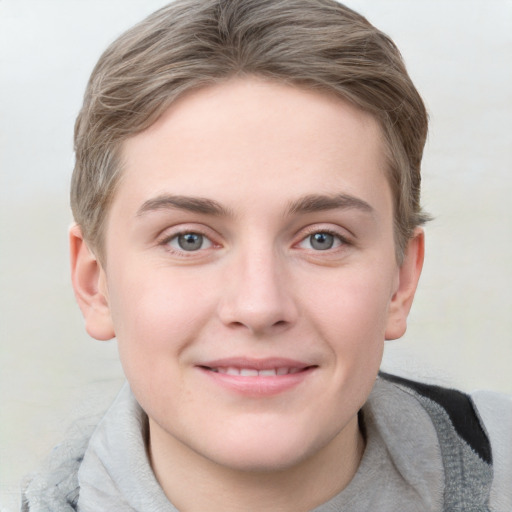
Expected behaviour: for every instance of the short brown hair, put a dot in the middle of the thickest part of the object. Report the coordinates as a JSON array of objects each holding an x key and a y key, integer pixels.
[{"x": 318, "y": 44}]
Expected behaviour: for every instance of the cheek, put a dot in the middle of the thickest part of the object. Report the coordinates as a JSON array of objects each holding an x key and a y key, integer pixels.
[
  {"x": 155, "y": 318},
  {"x": 350, "y": 310},
  {"x": 357, "y": 300}
]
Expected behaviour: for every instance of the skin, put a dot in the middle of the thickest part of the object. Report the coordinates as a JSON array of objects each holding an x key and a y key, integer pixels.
[{"x": 258, "y": 169}]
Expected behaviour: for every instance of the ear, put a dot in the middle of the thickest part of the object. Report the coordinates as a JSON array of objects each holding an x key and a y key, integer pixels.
[
  {"x": 89, "y": 284},
  {"x": 408, "y": 277}
]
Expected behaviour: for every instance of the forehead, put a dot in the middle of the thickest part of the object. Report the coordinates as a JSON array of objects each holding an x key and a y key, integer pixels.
[{"x": 250, "y": 138}]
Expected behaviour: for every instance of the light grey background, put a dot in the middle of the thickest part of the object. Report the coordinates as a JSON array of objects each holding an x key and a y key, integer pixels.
[{"x": 459, "y": 53}]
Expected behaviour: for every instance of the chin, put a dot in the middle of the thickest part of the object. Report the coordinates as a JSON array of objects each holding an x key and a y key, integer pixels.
[
  {"x": 259, "y": 462},
  {"x": 268, "y": 453}
]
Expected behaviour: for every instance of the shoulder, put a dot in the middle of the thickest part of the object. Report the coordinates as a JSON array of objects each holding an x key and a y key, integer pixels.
[
  {"x": 54, "y": 487},
  {"x": 474, "y": 433},
  {"x": 495, "y": 411},
  {"x": 450, "y": 406}
]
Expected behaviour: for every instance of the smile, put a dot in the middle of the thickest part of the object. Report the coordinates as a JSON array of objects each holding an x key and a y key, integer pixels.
[
  {"x": 257, "y": 377},
  {"x": 253, "y": 372}
]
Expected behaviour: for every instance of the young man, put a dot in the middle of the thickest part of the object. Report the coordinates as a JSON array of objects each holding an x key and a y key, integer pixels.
[{"x": 248, "y": 226}]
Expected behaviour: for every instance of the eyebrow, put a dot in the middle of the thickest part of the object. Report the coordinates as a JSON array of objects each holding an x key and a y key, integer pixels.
[
  {"x": 191, "y": 204},
  {"x": 308, "y": 204},
  {"x": 317, "y": 203}
]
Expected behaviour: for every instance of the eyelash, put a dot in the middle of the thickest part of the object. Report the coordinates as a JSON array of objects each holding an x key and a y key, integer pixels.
[
  {"x": 344, "y": 241},
  {"x": 166, "y": 241}
]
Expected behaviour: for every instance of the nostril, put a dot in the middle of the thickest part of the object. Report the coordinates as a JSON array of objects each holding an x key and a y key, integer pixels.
[{"x": 237, "y": 324}]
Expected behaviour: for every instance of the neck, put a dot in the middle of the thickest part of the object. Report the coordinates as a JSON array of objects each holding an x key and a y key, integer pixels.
[{"x": 194, "y": 483}]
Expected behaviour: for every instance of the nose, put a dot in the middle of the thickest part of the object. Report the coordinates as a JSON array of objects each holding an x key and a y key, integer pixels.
[{"x": 258, "y": 294}]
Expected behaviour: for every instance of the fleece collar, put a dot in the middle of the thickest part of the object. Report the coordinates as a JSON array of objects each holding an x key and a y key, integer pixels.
[
  {"x": 398, "y": 463},
  {"x": 115, "y": 473}
]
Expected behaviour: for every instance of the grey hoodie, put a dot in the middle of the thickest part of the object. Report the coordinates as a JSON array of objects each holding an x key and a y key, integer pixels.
[{"x": 427, "y": 449}]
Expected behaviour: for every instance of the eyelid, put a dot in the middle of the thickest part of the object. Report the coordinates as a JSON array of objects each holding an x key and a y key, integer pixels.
[
  {"x": 204, "y": 241},
  {"x": 318, "y": 228},
  {"x": 171, "y": 233}
]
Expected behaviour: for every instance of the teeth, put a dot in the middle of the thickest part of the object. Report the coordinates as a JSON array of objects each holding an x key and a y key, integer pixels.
[
  {"x": 252, "y": 372},
  {"x": 248, "y": 372}
]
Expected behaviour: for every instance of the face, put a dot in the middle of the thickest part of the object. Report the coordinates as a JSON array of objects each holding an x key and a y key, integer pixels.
[{"x": 250, "y": 272}]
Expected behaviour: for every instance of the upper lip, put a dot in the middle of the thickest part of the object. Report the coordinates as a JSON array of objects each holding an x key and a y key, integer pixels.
[{"x": 256, "y": 363}]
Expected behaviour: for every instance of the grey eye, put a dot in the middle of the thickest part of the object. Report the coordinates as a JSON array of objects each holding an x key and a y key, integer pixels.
[
  {"x": 321, "y": 241},
  {"x": 190, "y": 241}
]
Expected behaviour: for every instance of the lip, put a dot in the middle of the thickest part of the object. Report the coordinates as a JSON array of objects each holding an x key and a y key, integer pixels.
[{"x": 289, "y": 374}]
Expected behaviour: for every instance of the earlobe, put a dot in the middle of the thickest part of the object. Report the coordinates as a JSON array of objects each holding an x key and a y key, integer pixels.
[
  {"x": 88, "y": 278},
  {"x": 409, "y": 275}
]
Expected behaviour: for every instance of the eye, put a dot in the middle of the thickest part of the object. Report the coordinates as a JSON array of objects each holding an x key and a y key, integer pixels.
[
  {"x": 189, "y": 242},
  {"x": 322, "y": 241}
]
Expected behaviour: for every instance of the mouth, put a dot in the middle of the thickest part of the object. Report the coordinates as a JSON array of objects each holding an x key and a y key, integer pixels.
[
  {"x": 254, "y": 372},
  {"x": 257, "y": 377}
]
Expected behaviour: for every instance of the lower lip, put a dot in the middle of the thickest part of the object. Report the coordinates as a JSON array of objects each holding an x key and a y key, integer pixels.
[{"x": 259, "y": 386}]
